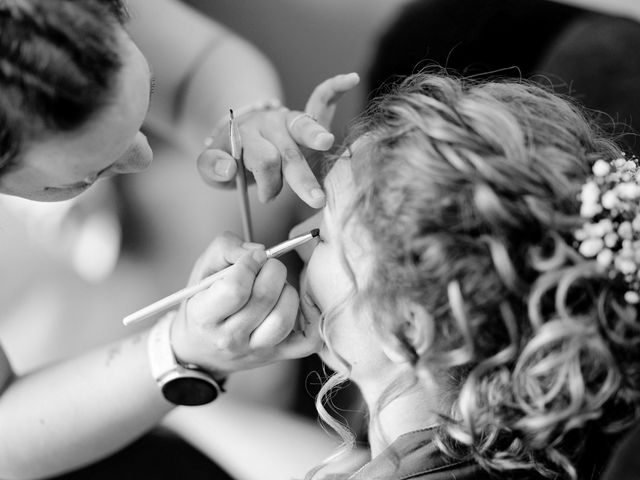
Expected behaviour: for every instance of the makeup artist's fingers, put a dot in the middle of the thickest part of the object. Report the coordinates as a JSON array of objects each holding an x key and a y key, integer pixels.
[
  {"x": 305, "y": 339},
  {"x": 307, "y": 132},
  {"x": 310, "y": 313},
  {"x": 298, "y": 174},
  {"x": 217, "y": 168},
  {"x": 223, "y": 251},
  {"x": 279, "y": 322},
  {"x": 300, "y": 343},
  {"x": 199, "y": 331},
  {"x": 324, "y": 98},
  {"x": 265, "y": 293},
  {"x": 230, "y": 292},
  {"x": 262, "y": 159}
]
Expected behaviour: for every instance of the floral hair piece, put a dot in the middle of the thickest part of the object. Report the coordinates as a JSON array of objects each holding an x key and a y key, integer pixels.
[{"x": 610, "y": 204}]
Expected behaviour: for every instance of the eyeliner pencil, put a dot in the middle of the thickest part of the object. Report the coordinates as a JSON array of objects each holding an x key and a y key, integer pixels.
[{"x": 187, "y": 292}]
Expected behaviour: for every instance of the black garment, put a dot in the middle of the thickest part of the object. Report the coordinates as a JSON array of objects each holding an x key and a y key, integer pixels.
[
  {"x": 591, "y": 56},
  {"x": 413, "y": 456},
  {"x": 625, "y": 462},
  {"x": 159, "y": 455}
]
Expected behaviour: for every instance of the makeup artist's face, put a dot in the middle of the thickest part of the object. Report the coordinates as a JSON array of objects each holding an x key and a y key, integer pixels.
[
  {"x": 63, "y": 165},
  {"x": 327, "y": 280}
]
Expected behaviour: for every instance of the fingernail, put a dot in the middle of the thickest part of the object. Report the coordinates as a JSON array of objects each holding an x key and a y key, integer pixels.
[
  {"x": 317, "y": 194},
  {"x": 222, "y": 167},
  {"x": 323, "y": 140}
]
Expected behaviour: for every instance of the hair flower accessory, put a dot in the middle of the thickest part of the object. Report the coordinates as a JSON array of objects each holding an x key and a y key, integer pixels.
[{"x": 610, "y": 205}]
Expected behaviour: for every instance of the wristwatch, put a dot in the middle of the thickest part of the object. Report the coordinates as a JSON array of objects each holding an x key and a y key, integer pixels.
[{"x": 181, "y": 384}]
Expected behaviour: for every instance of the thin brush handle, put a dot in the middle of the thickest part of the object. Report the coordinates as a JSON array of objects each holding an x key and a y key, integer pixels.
[{"x": 188, "y": 292}]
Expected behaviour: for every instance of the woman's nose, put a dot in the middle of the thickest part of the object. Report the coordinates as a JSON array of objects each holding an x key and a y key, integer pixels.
[{"x": 305, "y": 251}]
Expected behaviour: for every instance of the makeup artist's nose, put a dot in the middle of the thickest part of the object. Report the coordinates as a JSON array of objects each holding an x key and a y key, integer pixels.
[{"x": 305, "y": 251}]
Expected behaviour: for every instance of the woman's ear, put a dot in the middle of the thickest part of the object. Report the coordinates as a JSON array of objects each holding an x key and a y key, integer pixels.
[{"x": 414, "y": 334}]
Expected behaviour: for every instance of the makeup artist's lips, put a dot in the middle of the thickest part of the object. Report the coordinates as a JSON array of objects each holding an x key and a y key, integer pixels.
[{"x": 65, "y": 193}]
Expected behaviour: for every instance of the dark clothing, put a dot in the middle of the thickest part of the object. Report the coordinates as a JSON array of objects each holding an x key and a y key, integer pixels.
[
  {"x": 414, "y": 456},
  {"x": 625, "y": 462},
  {"x": 159, "y": 455},
  {"x": 590, "y": 56}
]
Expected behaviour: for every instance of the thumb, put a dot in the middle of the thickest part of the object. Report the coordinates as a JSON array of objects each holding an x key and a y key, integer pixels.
[{"x": 217, "y": 168}]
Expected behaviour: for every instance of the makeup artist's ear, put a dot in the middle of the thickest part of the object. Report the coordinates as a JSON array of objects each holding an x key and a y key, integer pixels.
[{"x": 417, "y": 331}]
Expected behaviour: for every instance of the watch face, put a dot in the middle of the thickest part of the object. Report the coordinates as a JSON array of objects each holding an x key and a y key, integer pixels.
[{"x": 189, "y": 391}]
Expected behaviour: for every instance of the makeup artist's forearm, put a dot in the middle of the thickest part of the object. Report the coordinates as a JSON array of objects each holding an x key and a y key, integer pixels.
[
  {"x": 234, "y": 75},
  {"x": 280, "y": 444},
  {"x": 77, "y": 411}
]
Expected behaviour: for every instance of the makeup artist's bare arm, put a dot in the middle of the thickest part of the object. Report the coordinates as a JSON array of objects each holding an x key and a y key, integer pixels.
[
  {"x": 271, "y": 171},
  {"x": 77, "y": 411},
  {"x": 201, "y": 69},
  {"x": 281, "y": 445}
]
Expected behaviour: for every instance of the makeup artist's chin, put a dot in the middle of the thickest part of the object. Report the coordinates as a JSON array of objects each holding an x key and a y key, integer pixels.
[{"x": 137, "y": 157}]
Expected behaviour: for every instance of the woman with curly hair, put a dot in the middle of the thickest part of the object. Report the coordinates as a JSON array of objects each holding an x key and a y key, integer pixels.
[{"x": 476, "y": 278}]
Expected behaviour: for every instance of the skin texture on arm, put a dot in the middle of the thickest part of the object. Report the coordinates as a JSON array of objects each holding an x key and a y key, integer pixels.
[
  {"x": 78, "y": 410},
  {"x": 281, "y": 445},
  {"x": 201, "y": 69}
]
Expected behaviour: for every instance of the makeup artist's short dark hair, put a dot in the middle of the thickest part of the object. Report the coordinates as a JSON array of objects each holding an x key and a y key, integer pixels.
[{"x": 59, "y": 61}]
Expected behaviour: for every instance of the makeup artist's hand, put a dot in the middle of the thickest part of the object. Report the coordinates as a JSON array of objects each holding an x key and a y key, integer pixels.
[
  {"x": 275, "y": 143},
  {"x": 244, "y": 320}
]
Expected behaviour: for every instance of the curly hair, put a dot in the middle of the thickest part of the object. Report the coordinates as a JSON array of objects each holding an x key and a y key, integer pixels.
[
  {"x": 58, "y": 64},
  {"x": 468, "y": 192}
]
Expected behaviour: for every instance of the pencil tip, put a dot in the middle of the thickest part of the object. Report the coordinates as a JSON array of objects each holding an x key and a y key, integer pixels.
[
  {"x": 315, "y": 232},
  {"x": 231, "y": 113}
]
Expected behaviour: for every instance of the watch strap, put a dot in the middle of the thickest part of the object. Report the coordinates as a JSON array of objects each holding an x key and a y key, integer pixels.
[
  {"x": 180, "y": 384},
  {"x": 161, "y": 357}
]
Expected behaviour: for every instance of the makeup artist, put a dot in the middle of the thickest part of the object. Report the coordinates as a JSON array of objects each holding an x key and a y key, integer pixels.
[{"x": 74, "y": 92}]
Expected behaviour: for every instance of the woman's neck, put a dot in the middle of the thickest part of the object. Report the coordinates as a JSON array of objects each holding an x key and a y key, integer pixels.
[{"x": 413, "y": 410}]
